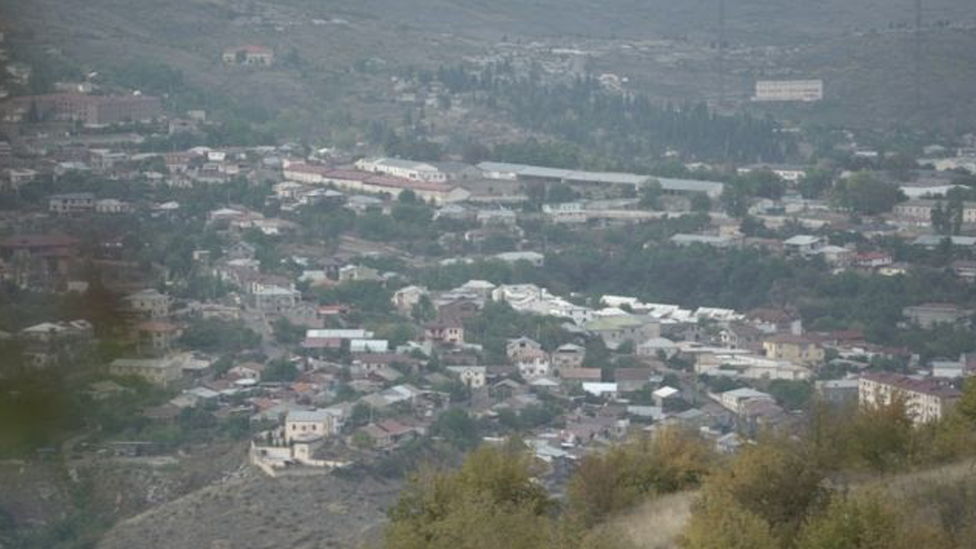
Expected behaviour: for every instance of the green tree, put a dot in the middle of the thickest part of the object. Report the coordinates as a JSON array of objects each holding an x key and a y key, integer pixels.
[
  {"x": 793, "y": 395},
  {"x": 287, "y": 333},
  {"x": 607, "y": 483},
  {"x": 701, "y": 203},
  {"x": 882, "y": 434},
  {"x": 866, "y": 521},
  {"x": 280, "y": 370},
  {"x": 491, "y": 502},
  {"x": 458, "y": 428},
  {"x": 967, "y": 403},
  {"x": 650, "y": 195},
  {"x": 771, "y": 487},
  {"x": 213, "y": 335},
  {"x": 718, "y": 521},
  {"x": 864, "y": 194},
  {"x": 423, "y": 310}
]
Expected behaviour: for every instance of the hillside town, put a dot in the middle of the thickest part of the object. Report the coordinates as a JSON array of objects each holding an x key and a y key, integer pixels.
[
  {"x": 275, "y": 284},
  {"x": 329, "y": 346}
]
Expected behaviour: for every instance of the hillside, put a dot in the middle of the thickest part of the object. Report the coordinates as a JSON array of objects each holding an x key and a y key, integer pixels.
[
  {"x": 336, "y": 57},
  {"x": 260, "y": 512},
  {"x": 657, "y": 523}
]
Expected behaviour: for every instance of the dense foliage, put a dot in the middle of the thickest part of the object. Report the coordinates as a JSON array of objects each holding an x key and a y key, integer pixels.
[{"x": 620, "y": 127}]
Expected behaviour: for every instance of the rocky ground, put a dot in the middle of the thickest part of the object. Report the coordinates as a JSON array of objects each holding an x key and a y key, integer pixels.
[{"x": 256, "y": 512}]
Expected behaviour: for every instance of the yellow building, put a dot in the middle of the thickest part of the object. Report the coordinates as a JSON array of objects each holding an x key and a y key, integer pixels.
[{"x": 796, "y": 349}]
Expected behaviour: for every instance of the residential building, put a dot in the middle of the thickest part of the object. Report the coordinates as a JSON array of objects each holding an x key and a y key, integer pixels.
[
  {"x": 616, "y": 330},
  {"x": 92, "y": 110},
  {"x": 632, "y": 379},
  {"x": 789, "y": 90},
  {"x": 919, "y": 211},
  {"x": 534, "y": 368},
  {"x": 534, "y": 258},
  {"x": 406, "y": 169},
  {"x": 567, "y": 212},
  {"x": 581, "y": 375},
  {"x": 930, "y": 315},
  {"x": 803, "y": 244},
  {"x": 112, "y": 206},
  {"x": 736, "y": 399},
  {"x": 273, "y": 299},
  {"x": 602, "y": 390},
  {"x": 448, "y": 331},
  {"x": 369, "y": 346},
  {"x": 20, "y": 177},
  {"x": 156, "y": 337},
  {"x": 474, "y": 377},
  {"x": 159, "y": 371},
  {"x": 406, "y": 298},
  {"x": 47, "y": 342},
  {"x": 789, "y": 173},
  {"x": 714, "y": 241},
  {"x": 147, "y": 304},
  {"x": 964, "y": 269},
  {"x": 664, "y": 395},
  {"x": 747, "y": 366},
  {"x": 303, "y": 426},
  {"x": 249, "y": 56},
  {"x": 359, "y": 273},
  {"x": 568, "y": 356},
  {"x": 71, "y": 203},
  {"x": 657, "y": 347},
  {"x": 523, "y": 349},
  {"x": 742, "y": 335},
  {"x": 926, "y": 400},
  {"x": 40, "y": 261},
  {"x": 333, "y": 339},
  {"x": 499, "y": 217},
  {"x": 796, "y": 349},
  {"x": 838, "y": 391}
]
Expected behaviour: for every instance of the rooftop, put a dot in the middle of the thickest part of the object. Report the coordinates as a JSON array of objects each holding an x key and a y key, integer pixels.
[{"x": 910, "y": 384}]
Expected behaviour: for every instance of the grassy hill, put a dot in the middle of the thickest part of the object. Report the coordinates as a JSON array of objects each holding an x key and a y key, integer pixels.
[{"x": 657, "y": 523}]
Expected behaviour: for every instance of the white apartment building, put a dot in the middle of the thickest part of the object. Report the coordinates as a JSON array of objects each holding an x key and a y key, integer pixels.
[
  {"x": 925, "y": 399},
  {"x": 407, "y": 169}
]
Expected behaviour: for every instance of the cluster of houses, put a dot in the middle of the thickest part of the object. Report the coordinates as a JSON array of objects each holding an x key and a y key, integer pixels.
[
  {"x": 398, "y": 394},
  {"x": 356, "y": 391}
]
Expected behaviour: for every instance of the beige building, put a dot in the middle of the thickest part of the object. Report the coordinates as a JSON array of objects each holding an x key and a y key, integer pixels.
[
  {"x": 448, "y": 331},
  {"x": 159, "y": 371},
  {"x": 796, "y": 349},
  {"x": 156, "y": 337},
  {"x": 149, "y": 304},
  {"x": 303, "y": 426},
  {"x": 925, "y": 399},
  {"x": 474, "y": 377},
  {"x": 919, "y": 211}
]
